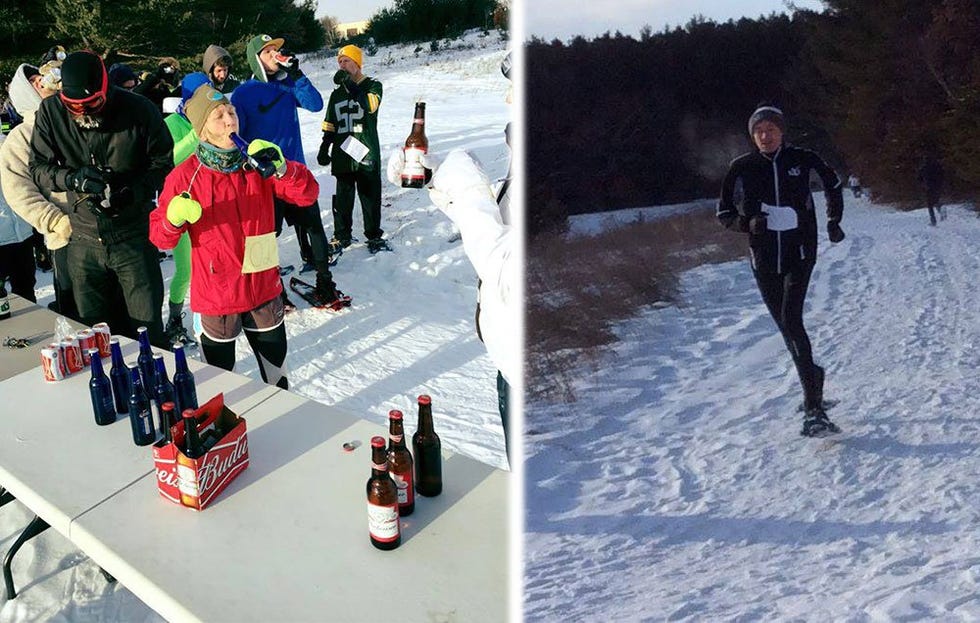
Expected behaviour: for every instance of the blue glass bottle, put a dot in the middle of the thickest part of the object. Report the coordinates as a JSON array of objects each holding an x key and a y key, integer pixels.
[
  {"x": 140, "y": 417},
  {"x": 119, "y": 377},
  {"x": 162, "y": 392},
  {"x": 101, "y": 390},
  {"x": 145, "y": 361},
  {"x": 184, "y": 389}
]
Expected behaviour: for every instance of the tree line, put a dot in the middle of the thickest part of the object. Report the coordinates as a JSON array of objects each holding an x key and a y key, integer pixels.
[
  {"x": 616, "y": 122},
  {"x": 137, "y": 32}
]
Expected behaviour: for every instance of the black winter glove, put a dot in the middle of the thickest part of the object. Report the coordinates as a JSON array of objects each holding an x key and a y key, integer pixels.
[
  {"x": 118, "y": 200},
  {"x": 291, "y": 66},
  {"x": 323, "y": 156},
  {"x": 758, "y": 224},
  {"x": 339, "y": 77},
  {"x": 87, "y": 179},
  {"x": 834, "y": 231}
]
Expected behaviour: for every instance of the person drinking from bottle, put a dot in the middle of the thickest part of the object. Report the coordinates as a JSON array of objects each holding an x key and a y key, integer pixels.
[{"x": 228, "y": 210}]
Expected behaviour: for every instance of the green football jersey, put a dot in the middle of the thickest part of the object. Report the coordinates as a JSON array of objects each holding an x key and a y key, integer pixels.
[{"x": 352, "y": 118}]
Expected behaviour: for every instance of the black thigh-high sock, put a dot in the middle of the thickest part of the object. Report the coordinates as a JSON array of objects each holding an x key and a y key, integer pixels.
[
  {"x": 270, "y": 349},
  {"x": 220, "y": 354}
]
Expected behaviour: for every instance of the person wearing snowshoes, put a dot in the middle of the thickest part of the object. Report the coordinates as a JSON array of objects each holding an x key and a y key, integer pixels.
[
  {"x": 351, "y": 146},
  {"x": 228, "y": 211},
  {"x": 266, "y": 105},
  {"x": 766, "y": 194}
]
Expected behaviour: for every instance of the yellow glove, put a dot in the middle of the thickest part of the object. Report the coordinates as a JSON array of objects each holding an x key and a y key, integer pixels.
[
  {"x": 260, "y": 149},
  {"x": 182, "y": 209}
]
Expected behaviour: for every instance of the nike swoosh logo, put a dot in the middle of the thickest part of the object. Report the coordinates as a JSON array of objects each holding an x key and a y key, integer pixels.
[{"x": 264, "y": 108}]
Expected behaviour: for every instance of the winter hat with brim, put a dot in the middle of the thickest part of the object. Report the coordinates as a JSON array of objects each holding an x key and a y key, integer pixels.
[
  {"x": 256, "y": 45},
  {"x": 767, "y": 113},
  {"x": 83, "y": 75},
  {"x": 199, "y": 106},
  {"x": 352, "y": 52}
]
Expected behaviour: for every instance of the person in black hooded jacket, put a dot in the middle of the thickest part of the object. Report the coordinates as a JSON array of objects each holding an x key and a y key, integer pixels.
[
  {"x": 110, "y": 150},
  {"x": 766, "y": 194}
]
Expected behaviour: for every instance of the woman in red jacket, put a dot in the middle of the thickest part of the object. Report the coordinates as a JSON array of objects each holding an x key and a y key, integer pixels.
[{"x": 228, "y": 210}]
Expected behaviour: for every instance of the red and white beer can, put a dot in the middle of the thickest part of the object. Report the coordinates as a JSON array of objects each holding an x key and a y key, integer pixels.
[
  {"x": 72, "y": 355},
  {"x": 53, "y": 363},
  {"x": 102, "y": 337},
  {"x": 86, "y": 340}
]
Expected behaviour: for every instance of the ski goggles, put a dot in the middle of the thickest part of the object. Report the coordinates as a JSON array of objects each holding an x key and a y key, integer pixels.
[{"x": 86, "y": 106}]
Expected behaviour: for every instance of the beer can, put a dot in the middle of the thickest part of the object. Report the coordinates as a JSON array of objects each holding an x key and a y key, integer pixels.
[
  {"x": 86, "y": 340},
  {"x": 52, "y": 363},
  {"x": 102, "y": 337},
  {"x": 72, "y": 355}
]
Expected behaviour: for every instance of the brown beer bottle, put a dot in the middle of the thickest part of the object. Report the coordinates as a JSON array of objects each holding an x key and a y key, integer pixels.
[
  {"x": 428, "y": 452},
  {"x": 382, "y": 499},
  {"x": 414, "y": 175},
  {"x": 400, "y": 464},
  {"x": 187, "y": 483}
]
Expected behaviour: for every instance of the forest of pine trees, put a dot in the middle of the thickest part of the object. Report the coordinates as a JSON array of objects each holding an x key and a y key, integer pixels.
[{"x": 616, "y": 122}]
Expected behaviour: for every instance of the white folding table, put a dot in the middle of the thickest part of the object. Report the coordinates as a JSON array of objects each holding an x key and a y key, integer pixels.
[{"x": 288, "y": 539}]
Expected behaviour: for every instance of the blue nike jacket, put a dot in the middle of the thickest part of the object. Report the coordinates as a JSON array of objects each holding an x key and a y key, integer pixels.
[{"x": 267, "y": 110}]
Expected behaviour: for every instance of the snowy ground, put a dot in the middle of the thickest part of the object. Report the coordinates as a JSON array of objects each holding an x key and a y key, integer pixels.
[
  {"x": 678, "y": 487},
  {"x": 410, "y": 330}
]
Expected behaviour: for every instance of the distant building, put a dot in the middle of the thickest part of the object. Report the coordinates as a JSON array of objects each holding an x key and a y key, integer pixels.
[{"x": 351, "y": 29}]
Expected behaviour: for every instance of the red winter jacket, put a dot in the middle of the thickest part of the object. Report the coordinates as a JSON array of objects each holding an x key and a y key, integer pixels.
[{"x": 235, "y": 205}]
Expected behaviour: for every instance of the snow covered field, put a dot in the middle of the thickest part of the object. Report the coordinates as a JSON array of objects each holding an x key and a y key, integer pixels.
[
  {"x": 678, "y": 487},
  {"x": 410, "y": 331}
]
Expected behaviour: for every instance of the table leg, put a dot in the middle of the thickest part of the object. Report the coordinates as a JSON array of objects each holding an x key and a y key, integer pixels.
[
  {"x": 36, "y": 527},
  {"x": 6, "y": 496}
]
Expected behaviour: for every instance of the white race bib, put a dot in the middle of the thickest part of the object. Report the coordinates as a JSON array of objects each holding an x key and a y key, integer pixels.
[{"x": 780, "y": 218}]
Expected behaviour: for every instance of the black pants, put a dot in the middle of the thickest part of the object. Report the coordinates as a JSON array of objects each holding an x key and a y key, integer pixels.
[
  {"x": 17, "y": 267},
  {"x": 64, "y": 298},
  {"x": 784, "y": 296},
  {"x": 100, "y": 271},
  {"x": 309, "y": 228},
  {"x": 503, "y": 405},
  {"x": 367, "y": 184},
  {"x": 933, "y": 203}
]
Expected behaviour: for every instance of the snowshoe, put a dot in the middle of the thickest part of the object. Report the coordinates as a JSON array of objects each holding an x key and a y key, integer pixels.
[
  {"x": 337, "y": 245},
  {"x": 335, "y": 300},
  {"x": 826, "y": 405},
  {"x": 307, "y": 267},
  {"x": 285, "y": 270},
  {"x": 378, "y": 244},
  {"x": 177, "y": 333},
  {"x": 817, "y": 424}
]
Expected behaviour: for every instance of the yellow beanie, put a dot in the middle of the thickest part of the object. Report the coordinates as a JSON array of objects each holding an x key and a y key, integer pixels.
[{"x": 353, "y": 53}]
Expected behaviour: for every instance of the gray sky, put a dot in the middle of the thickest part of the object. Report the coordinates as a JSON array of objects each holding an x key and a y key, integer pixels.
[
  {"x": 351, "y": 11},
  {"x": 564, "y": 19}
]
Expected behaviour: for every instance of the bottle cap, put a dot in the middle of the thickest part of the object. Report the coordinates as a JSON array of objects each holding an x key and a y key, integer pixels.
[
  {"x": 425, "y": 399},
  {"x": 377, "y": 442},
  {"x": 394, "y": 414}
]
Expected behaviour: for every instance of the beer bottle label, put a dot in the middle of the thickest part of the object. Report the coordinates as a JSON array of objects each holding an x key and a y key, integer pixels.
[
  {"x": 406, "y": 492},
  {"x": 383, "y": 522},
  {"x": 187, "y": 481},
  {"x": 413, "y": 164},
  {"x": 4, "y": 305},
  {"x": 146, "y": 422}
]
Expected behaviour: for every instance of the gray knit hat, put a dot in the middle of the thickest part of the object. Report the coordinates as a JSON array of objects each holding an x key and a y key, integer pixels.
[{"x": 767, "y": 113}]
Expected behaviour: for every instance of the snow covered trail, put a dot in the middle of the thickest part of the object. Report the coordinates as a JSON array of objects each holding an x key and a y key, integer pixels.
[{"x": 678, "y": 486}]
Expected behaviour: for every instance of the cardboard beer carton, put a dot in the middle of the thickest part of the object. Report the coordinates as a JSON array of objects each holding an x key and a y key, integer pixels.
[{"x": 194, "y": 482}]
